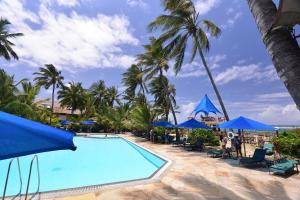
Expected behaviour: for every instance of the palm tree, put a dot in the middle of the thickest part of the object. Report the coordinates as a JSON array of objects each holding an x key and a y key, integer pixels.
[
  {"x": 72, "y": 96},
  {"x": 98, "y": 90},
  {"x": 6, "y": 49},
  {"x": 112, "y": 96},
  {"x": 180, "y": 25},
  {"x": 282, "y": 47},
  {"x": 153, "y": 60},
  {"x": 28, "y": 93},
  {"x": 164, "y": 95},
  {"x": 47, "y": 77},
  {"x": 134, "y": 82}
]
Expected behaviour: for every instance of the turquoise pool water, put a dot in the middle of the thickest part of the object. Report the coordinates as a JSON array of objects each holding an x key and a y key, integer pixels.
[{"x": 96, "y": 161}]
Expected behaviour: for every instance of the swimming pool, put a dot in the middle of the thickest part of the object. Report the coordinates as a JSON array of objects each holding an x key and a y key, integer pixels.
[{"x": 96, "y": 161}]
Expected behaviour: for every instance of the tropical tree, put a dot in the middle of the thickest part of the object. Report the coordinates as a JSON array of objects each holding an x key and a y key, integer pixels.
[
  {"x": 282, "y": 47},
  {"x": 21, "y": 109},
  {"x": 98, "y": 90},
  {"x": 112, "y": 96},
  {"x": 47, "y": 77},
  {"x": 134, "y": 82},
  {"x": 153, "y": 60},
  {"x": 28, "y": 93},
  {"x": 180, "y": 25},
  {"x": 72, "y": 96},
  {"x": 6, "y": 45}
]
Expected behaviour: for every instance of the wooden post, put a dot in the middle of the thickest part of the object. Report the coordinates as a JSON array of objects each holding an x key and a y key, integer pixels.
[{"x": 244, "y": 143}]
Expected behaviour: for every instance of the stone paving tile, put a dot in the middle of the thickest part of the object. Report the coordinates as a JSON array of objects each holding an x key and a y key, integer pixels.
[{"x": 193, "y": 175}]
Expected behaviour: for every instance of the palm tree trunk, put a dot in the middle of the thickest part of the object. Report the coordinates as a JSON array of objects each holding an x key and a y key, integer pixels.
[
  {"x": 175, "y": 121},
  {"x": 281, "y": 46},
  {"x": 52, "y": 103},
  {"x": 213, "y": 84}
]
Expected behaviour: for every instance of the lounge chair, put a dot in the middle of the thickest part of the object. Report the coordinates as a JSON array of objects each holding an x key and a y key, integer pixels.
[
  {"x": 182, "y": 141},
  {"x": 284, "y": 166},
  {"x": 269, "y": 148},
  {"x": 197, "y": 146},
  {"x": 257, "y": 158},
  {"x": 215, "y": 153}
]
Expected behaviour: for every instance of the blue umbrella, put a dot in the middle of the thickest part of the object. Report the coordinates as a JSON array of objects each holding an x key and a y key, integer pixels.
[
  {"x": 206, "y": 106},
  {"x": 192, "y": 124},
  {"x": 163, "y": 124},
  {"x": 88, "y": 122},
  {"x": 246, "y": 124},
  {"x": 20, "y": 137},
  {"x": 65, "y": 122}
]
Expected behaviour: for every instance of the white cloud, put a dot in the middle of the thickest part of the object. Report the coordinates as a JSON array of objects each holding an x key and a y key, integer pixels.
[
  {"x": 214, "y": 61},
  {"x": 185, "y": 111},
  {"x": 67, "y": 3},
  {"x": 70, "y": 40},
  {"x": 137, "y": 3},
  {"x": 204, "y": 6},
  {"x": 273, "y": 96},
  {"x": 247, "y": 72},
  {"x": 233, "y": 18}
]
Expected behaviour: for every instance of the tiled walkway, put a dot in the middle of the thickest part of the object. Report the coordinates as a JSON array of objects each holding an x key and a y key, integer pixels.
[{"x": 193, "y": 175}]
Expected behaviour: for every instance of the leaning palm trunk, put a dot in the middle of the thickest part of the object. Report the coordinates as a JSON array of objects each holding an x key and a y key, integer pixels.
[
  {"x": 213, "y": 84},
  {"x": 175, "y": 121},
  {"x": 52, "y": 103},
  {"x": 282, "y": 47}
]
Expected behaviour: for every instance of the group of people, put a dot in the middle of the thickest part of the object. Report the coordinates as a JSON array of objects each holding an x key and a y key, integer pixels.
[{"x": 236, "y": 144}]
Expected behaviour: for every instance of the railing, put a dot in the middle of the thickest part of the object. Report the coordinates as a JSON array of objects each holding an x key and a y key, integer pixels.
[
  {"x": 35, "y": 158},
  {"x": 7, "y": 178}
]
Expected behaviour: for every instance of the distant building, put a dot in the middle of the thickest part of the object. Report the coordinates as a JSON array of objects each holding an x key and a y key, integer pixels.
[{"x": 61, "y": 112}]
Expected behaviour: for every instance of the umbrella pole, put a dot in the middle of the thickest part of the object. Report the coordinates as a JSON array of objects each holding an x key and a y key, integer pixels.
[{"x": 244, "y": 143}]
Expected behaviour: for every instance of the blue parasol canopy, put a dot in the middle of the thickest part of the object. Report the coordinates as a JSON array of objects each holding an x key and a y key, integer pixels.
[
  {"x": 246, "y": 124},
  {"x": 192, "y": 124},
  {"x": 65, "y": 122},
  {"x": 20, "y": 137},
  {"x": 88, "y": 122},
  {"x": 206, "y": 106},
  {"x": 163, "y": 124}
]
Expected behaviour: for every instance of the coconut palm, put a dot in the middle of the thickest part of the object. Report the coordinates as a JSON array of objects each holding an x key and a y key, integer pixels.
[
  {"x": 112, "y": 96},
  {"x": 6, "y": 45},
  {"x": 72, "y": 96},
  {"x": 134, "y": 82},
  {"x": 98, "y": 90},
  {"x": 47, "y": 77},
  {"x": 153, "y": 60},
  {"x": 180, "y": 25},
  {"x": 28, "y": 93},
  {"x": 282, "y": 47}
]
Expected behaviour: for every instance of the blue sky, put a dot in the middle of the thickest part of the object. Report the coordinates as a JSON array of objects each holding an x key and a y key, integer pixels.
[{"x": 98, "y": 39}]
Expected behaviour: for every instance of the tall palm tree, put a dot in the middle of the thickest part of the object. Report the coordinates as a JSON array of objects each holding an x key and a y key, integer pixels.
[
  {"x": 112, "y": 96},
  {"x": 72, "y": 96},
  {"x": 134, "y": 82},
  {"x": 282, "y": 47},
  {"x": 164, "y": 97},
  {"x": 153, "y": 60},
  {"x": 180, "y": 25},
  {"x": 47, "y": 77},
  {"x": 6, "y": 49},
  {"x": 98, "y": 90}
]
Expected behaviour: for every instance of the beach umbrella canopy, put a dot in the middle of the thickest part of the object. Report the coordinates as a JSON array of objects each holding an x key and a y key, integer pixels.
[
  {"x": 206, "y": 106},
  {"x": 65, "y": 122},
  {"x": 20, "y": 137},
  {"x": 88, "y": 122},
  {"x": 246, "y": 124},
  {"x": 192, "y": 124},
  {"x": 163, "y": 124}
]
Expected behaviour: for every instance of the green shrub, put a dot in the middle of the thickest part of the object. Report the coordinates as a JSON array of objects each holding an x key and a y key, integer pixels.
[
  {"x": 206, "y": 136},
  {"x": 288, "y": 143}
]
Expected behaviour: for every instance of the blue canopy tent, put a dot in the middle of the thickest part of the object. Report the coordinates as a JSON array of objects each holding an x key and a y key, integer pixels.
[
  {"x": 243, "y": 123},
  {"x": 206, "y": 106},
  {"x": 20, "y": 137},
  {"x": 88, "y": 122},
  {"x": 192, "y": 124},
  {"x": 163, "y": 124},
  {"x": 65, "y": 122}
]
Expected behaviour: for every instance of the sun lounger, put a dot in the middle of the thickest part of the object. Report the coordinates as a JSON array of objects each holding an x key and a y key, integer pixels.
[
  {"x": 215, "y": 153},
  {"x": 257, "y": 158},
  {"x": 197, "y": 146},
  {"x": 284, "y": 166},
  {"x": 269, "y": 148}
]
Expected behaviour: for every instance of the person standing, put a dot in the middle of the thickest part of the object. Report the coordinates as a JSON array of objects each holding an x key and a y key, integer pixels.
[
  {"x": 224, "y": 143},
  {"x": 238, "y": 146}
]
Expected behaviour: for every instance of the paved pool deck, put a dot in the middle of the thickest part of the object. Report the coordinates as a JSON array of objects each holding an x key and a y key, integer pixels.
[{"x": 193, "y": 175}]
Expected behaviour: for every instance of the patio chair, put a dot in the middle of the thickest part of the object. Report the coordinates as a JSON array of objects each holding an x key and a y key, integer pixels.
[
  {"x": 284, "y": 166},
  {"x": 257, "y": 158},
  {"x": 269, "y": 148}
]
